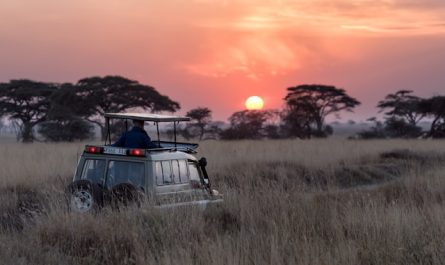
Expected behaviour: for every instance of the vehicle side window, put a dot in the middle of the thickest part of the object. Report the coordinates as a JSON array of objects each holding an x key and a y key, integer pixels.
[
  {"x": 159, "y": 177},
  {"x": 126, "y": 172},
  {"x": 171, "y": 172},
  {"x": 194, "y": 171},
  {"x": 93, "y": 170},
  {"x": 175, "y": 169},
  {"x": 163, "y": 173},
  {"x": 183, "y": 171},
  {"x": 166, "y": 172}
]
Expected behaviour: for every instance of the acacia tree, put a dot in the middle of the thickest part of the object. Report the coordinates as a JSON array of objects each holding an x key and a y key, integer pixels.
[
  {"x": 116, "y": 94},
  {"x": 66, "y": 129},
  {"x": 403, "y": 104},
  {"x": 64, "y": 120},
  {"x": 297, "y": 122},
  {"x": 26, "y": 102},
  {"x": 247, "y": 124},
  {"x": 435, "y": 108},
  {"x": 313, "y": 103},
  {"x": 201, "y": 117}
]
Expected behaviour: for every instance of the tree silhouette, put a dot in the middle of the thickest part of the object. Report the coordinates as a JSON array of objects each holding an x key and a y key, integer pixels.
[
  {"x": 117, "y": 94},
  {"x": 66, "y": 130},
  {"x": 435, "y": 108},
  {"x": 27, "y": 102},
  {"x": 247, "y": 124},
  {"x": 404, "y": 105},
  {"x": 64, "y": 121},
  {"x": 398, "y": 128},
  {"x": 201, "y": 117},
  {"x": 377, "y": 131},
  {"x": 297, "y": 122},
  {"x": 309, "y": 105}
]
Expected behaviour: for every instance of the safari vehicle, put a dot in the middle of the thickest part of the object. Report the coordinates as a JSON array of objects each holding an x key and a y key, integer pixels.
[{"x": 168, "y": 176}]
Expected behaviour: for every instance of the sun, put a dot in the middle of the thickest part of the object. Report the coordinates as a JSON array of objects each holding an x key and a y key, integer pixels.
[{"x": 254, "y": 103}]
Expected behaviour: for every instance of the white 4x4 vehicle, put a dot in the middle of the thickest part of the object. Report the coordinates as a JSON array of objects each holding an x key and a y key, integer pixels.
[{"x": 168, "y": 176}]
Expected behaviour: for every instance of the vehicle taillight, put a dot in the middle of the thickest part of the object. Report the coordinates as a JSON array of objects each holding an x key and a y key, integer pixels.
[
  {"x": 137, "y": 152},
  {"x": 92, "y": 149}
]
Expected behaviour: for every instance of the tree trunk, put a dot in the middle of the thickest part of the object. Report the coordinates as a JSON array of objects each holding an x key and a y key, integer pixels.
[
  {"x": 319, "y": 123},
  {"x": 433, "y": 126},
  {"x": 26, "y": 133},
  {"x": 201, "y": 135},
  {"x": 103, "y": 130}
]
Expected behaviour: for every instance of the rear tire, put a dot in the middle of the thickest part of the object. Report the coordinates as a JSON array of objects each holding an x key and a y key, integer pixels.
[{"x": 84, "y": 196}]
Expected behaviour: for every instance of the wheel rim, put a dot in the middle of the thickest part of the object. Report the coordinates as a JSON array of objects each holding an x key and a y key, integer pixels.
[{"x": 81, "y": 201}]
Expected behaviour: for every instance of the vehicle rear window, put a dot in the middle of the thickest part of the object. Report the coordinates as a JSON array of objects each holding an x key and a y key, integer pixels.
[
  {"x": 126, "y": 172},
  {"x": 93, "y": 170}
]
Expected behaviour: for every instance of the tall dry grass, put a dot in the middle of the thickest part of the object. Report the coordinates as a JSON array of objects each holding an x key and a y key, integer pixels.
[{"x": 286, "y": 202}]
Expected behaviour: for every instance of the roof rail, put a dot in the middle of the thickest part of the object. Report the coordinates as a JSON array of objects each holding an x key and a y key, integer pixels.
[{"x": 172, "y": 149}]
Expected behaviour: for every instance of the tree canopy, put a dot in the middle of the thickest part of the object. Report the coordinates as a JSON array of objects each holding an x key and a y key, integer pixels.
[
  {"x": 27, "y": 102},
  {"x": 309, "y": 105},
  {"x": 247, "y": 124},
  {"x": 117, "y": 94},
  {"x": 404, "y": 112},
  {"x": 201, "y": 117},
  {"x": 64, "y": 112},
  {"x": 403, "y": 104},
  {"x": 435, "y": 108},
  {"x": 64, "y": 121}
]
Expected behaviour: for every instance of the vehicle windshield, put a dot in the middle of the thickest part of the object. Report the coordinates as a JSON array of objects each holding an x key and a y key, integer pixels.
[
  {"x": 125, "y": 172},
  {"x": 93, "y": 170}
]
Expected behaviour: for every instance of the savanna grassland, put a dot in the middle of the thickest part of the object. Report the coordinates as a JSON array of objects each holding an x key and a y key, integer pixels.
[{"x": 286, "y": 202}]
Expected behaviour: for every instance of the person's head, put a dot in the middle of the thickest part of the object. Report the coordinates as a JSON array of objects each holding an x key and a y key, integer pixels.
[{"x": 138, "y": 123}]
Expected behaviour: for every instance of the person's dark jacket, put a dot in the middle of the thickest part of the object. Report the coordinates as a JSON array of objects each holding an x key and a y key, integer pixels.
[{"x": 135, "y": 138}]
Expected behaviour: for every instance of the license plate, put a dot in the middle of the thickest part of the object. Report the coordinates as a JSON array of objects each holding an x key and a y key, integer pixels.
[{"x": 115, "y": 151}]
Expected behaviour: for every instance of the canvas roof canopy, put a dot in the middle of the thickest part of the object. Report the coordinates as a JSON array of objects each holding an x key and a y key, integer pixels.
[{"x": 146, "y": 117}]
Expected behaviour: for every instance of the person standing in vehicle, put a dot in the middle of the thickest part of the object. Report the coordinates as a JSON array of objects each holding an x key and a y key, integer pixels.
[{"x": 137, "y": 137}]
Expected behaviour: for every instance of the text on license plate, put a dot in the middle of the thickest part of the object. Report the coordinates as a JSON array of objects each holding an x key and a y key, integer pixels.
[{"x": 115, "y": 151}]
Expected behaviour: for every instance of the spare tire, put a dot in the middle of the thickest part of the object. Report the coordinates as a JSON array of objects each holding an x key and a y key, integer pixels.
[
  {"x": 125, "y": 194},
  {"x": 84, "y": 196}
]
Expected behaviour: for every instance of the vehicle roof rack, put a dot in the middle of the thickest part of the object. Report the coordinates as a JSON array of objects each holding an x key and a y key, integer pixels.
[
  {"x": 156, "y": 118},
  {"x": 146, "y": 117}
]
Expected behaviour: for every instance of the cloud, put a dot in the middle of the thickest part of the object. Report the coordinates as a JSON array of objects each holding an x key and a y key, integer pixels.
[
  {"x": 277, "y": 37},
  {"x": 253, "y": 56},
  {"x": 424, "y": 4}
]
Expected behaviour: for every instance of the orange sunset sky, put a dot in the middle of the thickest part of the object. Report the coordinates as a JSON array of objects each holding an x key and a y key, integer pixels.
[{"x": 217, "y": 53}]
